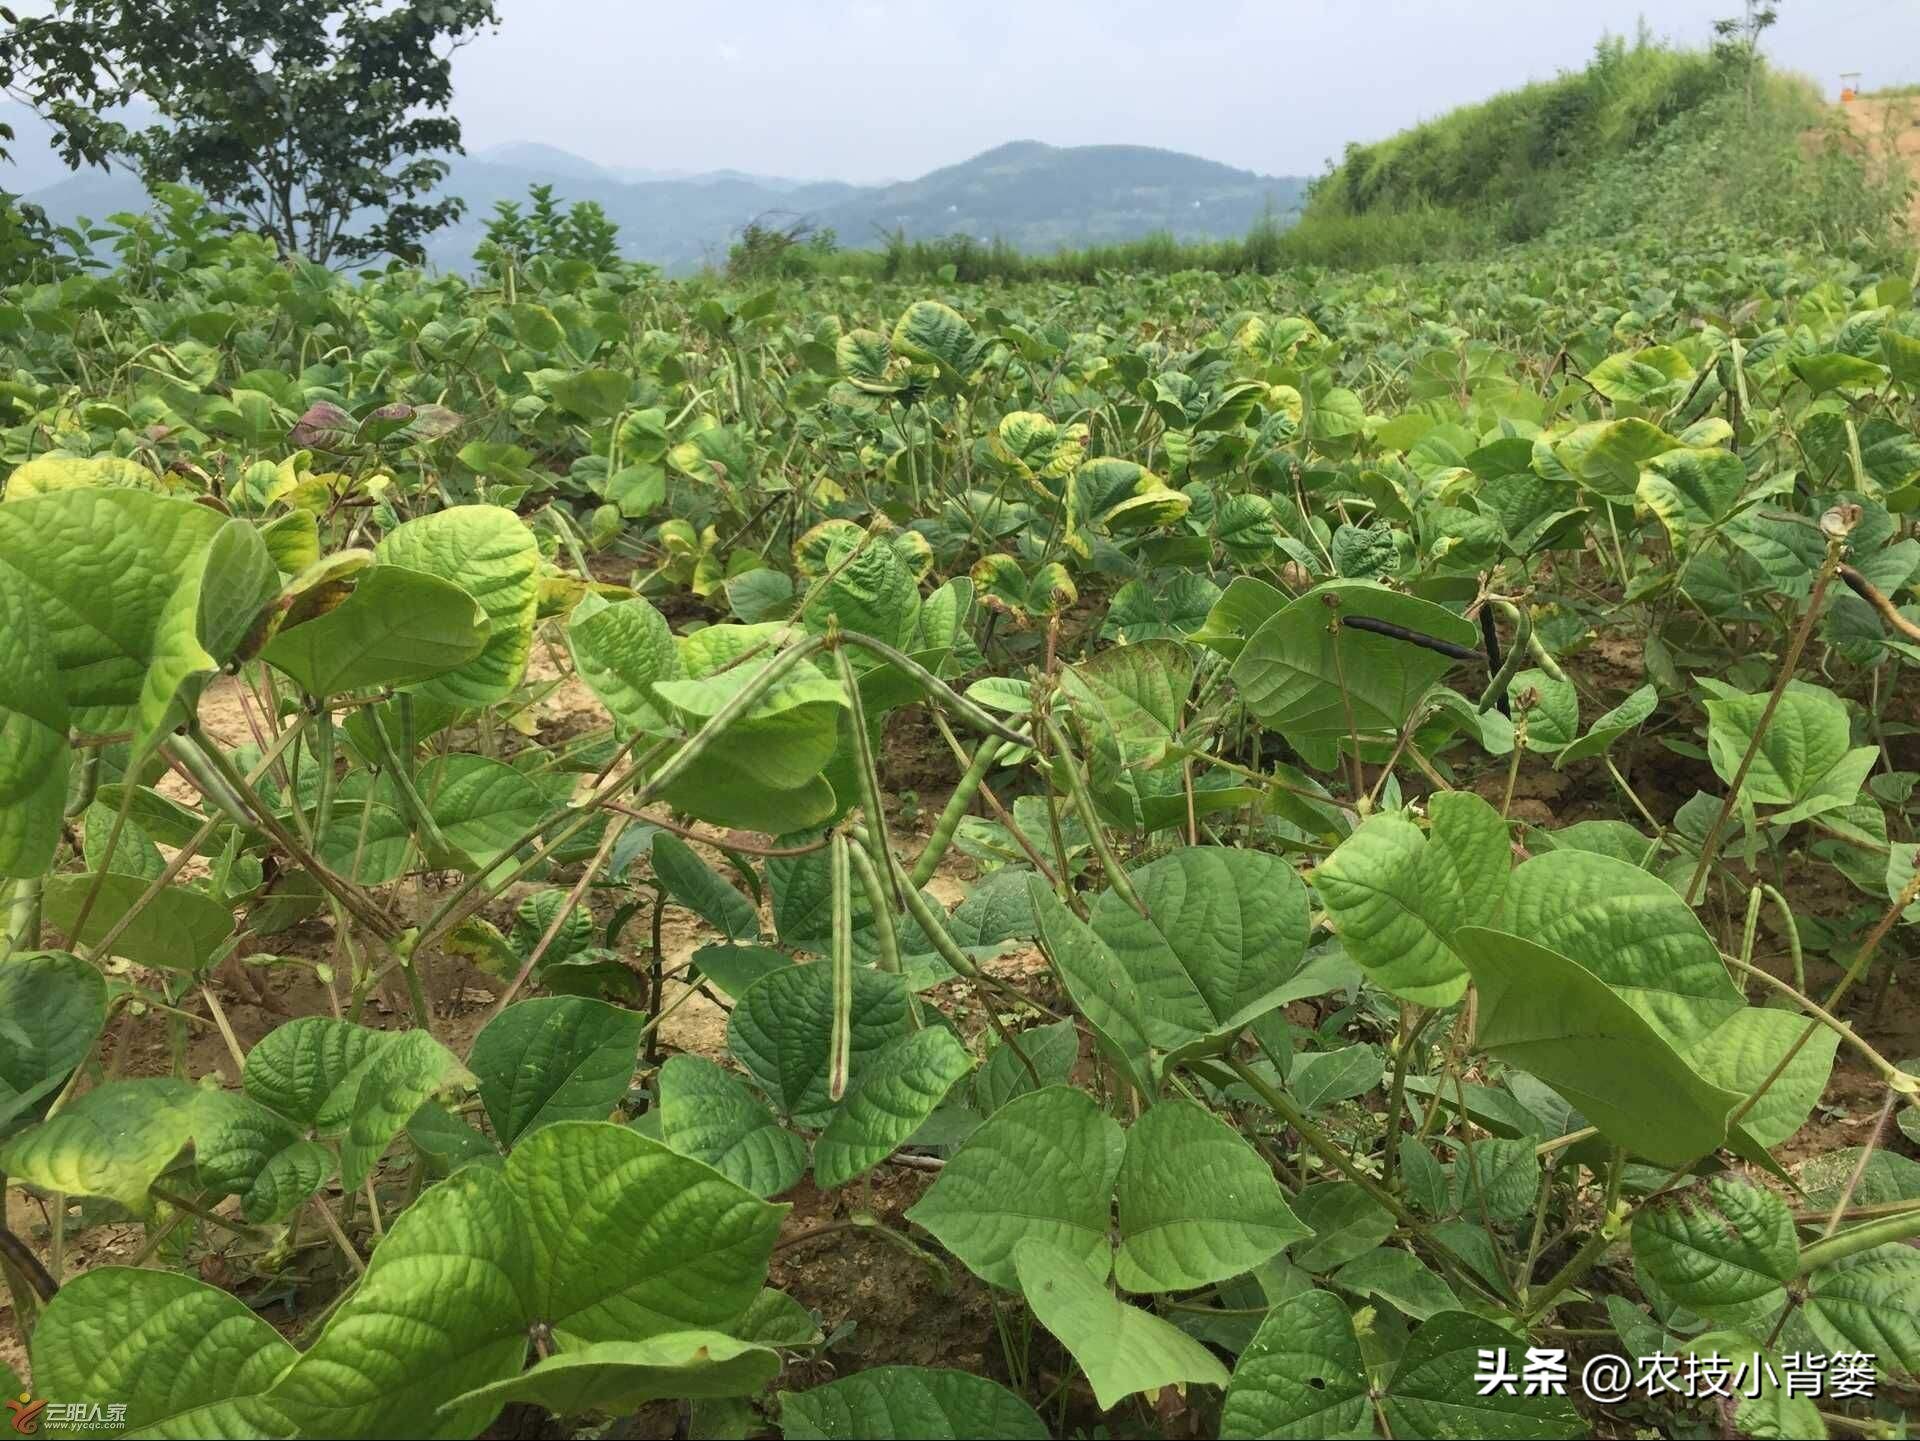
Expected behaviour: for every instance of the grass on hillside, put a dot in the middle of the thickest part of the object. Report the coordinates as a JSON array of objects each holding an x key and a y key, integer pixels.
[{"x": 1645, "y": 135}]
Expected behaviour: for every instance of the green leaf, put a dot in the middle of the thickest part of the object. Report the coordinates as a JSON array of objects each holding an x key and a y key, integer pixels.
[
  {"x": 34, "y": 757},
  {"x": 1692, "y": 491},
  {"x": 1397, "y": 898},
  {"x": 1243, "y": 607},
  {"x": 936, "y": 334},
  {"x": 1805, "y": 762},
  {"x": 135, "y": 855},
  {"x": 309, "y": 1070},
  {"x": 448, "y": 1141},
  {"x": 481, "y": 805},
  {"x": 1504, "y": 1175},
  {"x": 1724, "y": 1249},
  {"x": 53, "y": 1006},
  {"x": 180, "y": 929},
  {"x": 285, "y": 1181},
  {"x": 1100, "y": 986},
  {"x": 1632, "y": 931},
  {"x": 1433, "y": 1391},
  {"x": 557, "y": 1058},
  {"x": 1400, "y": 1278},
  {"x": 535, "y": 916},
  {"x": 781, "y": 1028},
  {"x": 1552, "y": 716},
  {"x": 243, "y": 1142},
  {"x": 716, "y": 789},
  {"x": 1607, "y": 456},
  {"x": 1197, "y": 1204},
  {"x": 203, "y": 626},
  {"x": 1744, "y": 1050},
  {"x": 1610, "y": 727},
  {"x": 1130, "y": 697},
  {"x": 49, "y": 474},
  {"x": 1042, "y": 1166},
  {"x": 1345, "y": 1221},
  {"x": 708, "y": 1113},
  {"x": 186, "y": 1359},
  {"x": 489, "y": 553},
  {"x": 620, "y": 650},
  {"x": 1227, "y": 930},
  {"x": 377, "y": 834},
  {"x": 1122, "y": 1349},
  {"x": 865, "y": 359},
  {"x": 400, "y": 1077},
  {"x": 1871, "y": 1302},
  {"x": 1288, "y": 672},
  {"x": 1656, "y": 374},
  {"x": 442, "y": 1311},
  {"x": 702, "y": 890},
  {"x": 1302, "y": 1376},
  {"x": 867, "y": 589},
  {"x": 399, "y": 627},
  {"x": 773, "y": 1318},
  {"x": 1832, "y": 370},
  {"x": 1760, "y": 1402},
  {"x": 1053, "y": 1049},
  {"x": 592, "y": 394},
  {"x": 1547, "y": 1015},
  {"x": 908, "y": 1403},
  {"x": 630, "y": 1240},
  {"x": 898, "y": 1089},
  {"x": 617, "y": 1377},
  {"x": 734, "y": 968},
  {"x": 784, "y": 740},
  {"x": 112, "y": 1141},
  {"x": 1320, "y": 1077},
  {"x": 104, "y": 568}
]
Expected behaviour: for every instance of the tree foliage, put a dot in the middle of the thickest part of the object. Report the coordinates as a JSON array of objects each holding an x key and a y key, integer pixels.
[{"x": 318, "y": 121}]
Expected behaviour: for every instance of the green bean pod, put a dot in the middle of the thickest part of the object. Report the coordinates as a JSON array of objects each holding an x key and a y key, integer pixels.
[
  {"x": 988, "y": 751},
  {"x": 840, "y": 1039}
]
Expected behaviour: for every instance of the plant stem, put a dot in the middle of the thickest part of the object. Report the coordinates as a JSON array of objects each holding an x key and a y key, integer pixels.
[
  {"x": 935, "y": 928},
  {"x": 1083, "y": 803},
  {"x": 1583, "y": 1260},
  {"x": 352, "y": 897},
  {"x": 23, "y": 916},
  {"x": 614, "y": 827},
  {"x": 1710, "y": 847},
  {"x": 1413, "y": 1021},
  {"x": 975, "y": 715}
]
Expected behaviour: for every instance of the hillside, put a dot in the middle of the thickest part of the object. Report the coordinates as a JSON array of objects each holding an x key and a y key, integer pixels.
[
  {"x": 1035, "y": 197},
  {"x": 1886, "y": 132},
  {"x": 1645, "y": 136}
]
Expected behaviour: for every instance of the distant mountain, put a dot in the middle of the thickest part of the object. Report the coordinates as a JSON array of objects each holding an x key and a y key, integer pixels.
[
  {"x": 1037, "y": 197},
  {"x": 553, "y": 161},
  {"x": 1042, "y": 197}
]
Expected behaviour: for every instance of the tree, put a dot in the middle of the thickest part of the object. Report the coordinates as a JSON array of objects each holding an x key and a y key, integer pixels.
[
  {"x": 318, "y": 121},
  {"x": 1740, "y": 35}
]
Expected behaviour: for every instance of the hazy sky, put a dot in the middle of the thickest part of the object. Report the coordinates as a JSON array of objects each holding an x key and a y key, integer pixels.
[{"x": 873, "y": 89}]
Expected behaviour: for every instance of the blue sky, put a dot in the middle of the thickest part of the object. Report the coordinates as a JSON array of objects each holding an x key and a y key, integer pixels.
[{"x": 865, "y": 90}]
